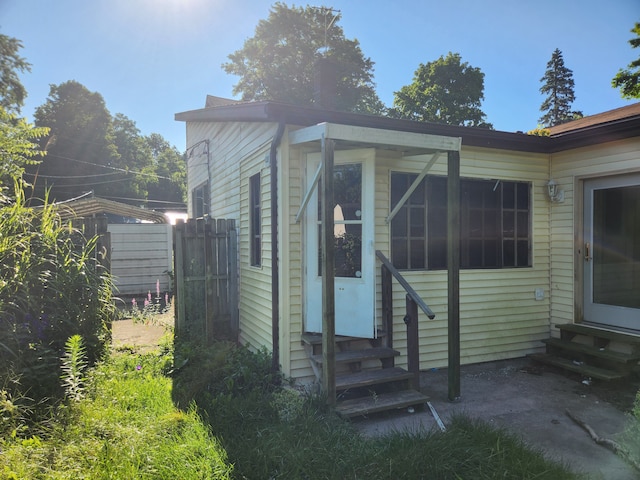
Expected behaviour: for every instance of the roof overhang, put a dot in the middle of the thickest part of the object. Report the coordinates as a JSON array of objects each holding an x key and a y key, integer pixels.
[
  {"x": 407, "y": 143},
  {"x": 293, "y": 115}
]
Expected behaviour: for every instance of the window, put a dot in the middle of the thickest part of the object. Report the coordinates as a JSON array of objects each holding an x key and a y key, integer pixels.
[
  {"x": 255, "y": 223},
  {"x": 495, "y": 223},
  {"x": 200, "y": 200}
]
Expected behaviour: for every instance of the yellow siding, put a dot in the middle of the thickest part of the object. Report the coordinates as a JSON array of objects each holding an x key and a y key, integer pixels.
[
  {"x": 237, "y": 151},
  {"x": 499, "y": 316},
  {"x": 294, "y": 362},
  {"x": 569, "y": 169},
  {"x": 255, "y": 291}
]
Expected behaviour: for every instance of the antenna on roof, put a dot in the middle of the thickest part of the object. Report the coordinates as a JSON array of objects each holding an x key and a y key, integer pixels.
[{"x": 326, "y": 11}]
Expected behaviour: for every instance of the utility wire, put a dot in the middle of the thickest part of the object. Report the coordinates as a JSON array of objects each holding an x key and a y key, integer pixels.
[{"x": 112, "y": 168}]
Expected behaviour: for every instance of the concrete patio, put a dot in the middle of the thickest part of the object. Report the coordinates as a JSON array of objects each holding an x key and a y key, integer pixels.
[{"x": 531, "y": 402}]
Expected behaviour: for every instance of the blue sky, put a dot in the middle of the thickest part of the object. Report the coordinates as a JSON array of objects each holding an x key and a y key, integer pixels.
[{"x": 150, "y": 59}]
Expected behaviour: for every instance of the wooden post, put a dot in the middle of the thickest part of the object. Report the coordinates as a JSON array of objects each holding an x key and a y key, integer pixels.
[
  {"x": 209, "y": 241},
  {"x": 178, "y": 270},
  {"x": 413, "y": 343},
  {"x": 328, "y": 273},
  {"x": 387, "y": 305},
  {"x": 453, "y": 266},
  {"x": 232, "y": 269}
]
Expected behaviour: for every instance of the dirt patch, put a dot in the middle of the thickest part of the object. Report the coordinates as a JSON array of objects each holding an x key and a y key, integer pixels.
[{"x": 139, "y": 336}]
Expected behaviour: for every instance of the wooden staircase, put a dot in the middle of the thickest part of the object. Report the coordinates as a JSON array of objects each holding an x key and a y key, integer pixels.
[
  {"x": 367, "y": 380},
  {"x": 592, "y": 352}
]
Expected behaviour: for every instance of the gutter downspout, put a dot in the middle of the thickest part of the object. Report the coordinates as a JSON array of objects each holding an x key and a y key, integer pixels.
[{"x": 275, "y": 264}]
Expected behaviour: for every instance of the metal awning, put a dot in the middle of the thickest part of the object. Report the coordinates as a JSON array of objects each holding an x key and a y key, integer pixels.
[{"x": 87, "y": 207}]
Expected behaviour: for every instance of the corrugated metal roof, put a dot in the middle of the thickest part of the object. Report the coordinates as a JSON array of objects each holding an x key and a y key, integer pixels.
[{"x": 87, "y": 207}]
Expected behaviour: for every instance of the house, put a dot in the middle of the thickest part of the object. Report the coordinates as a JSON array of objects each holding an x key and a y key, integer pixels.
[{"x": 548, "y": 232}]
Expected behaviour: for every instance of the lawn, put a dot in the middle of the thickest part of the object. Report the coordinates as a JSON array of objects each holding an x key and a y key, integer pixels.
[{"x": 220, "y": 413}]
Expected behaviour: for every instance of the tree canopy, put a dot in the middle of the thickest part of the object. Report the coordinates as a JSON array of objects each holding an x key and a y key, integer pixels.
[
  {"x": 18, "y": 148},
  {"x": 444, "y": 91},
  {"x": 89, "y": 150},
  {"x": 12, "y": 92},
  {"x": 558, "y": 85},
  {"x": 80, "y": 142},
  {"x": 628, "y": 79},
  {"x": 279, "y": 62}
]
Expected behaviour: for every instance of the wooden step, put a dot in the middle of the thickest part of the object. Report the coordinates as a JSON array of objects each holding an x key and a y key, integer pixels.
[
  {"x": 596, "y": 332},
  {"x": 351, "y": 356},
  {"x": 316, "y": 338},
  {"x": 583, "y": 369},
  {"x": 378, "y": 403},
  {"x": 368, "y": 378},
  {"x": 603, "y": 353}
]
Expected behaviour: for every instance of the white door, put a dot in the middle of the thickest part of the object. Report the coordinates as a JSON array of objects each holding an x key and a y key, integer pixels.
[
  {"x": 612, "y": 251},
  {"x": 354, "y": 249}
]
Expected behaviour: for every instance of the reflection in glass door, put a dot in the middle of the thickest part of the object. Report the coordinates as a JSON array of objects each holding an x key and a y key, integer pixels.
[
  {"x": 353, "y": 246},
  {"x": 612, "y": 252},
  {"x": 347, "y": 216}
]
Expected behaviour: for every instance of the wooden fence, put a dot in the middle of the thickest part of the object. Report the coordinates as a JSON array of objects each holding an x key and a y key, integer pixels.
[{"x": 206, "y": 280}]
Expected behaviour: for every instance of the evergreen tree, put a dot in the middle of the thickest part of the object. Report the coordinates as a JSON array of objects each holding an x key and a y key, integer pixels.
[
  {"x": 628, "y": 80},
  {"x": 558, "y": 85}
]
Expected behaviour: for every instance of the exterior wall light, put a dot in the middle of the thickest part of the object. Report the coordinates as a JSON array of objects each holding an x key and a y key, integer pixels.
[{"x": 556, "y": 195}]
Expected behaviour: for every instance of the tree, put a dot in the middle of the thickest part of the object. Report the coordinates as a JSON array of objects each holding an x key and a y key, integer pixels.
[
  {"x": 558, "y": 84},
  {"x": 628, "y": 80},
  {"x": 18, "y": 148},
  {"x": 12, "y": 92},
  {"x": 81, "y": 146},
  {"x": 279, "y": 62},
  {"x": 170, "y": 186},
  {"x": 445, "y": 91},
  {"x": 134, "y": 167}
]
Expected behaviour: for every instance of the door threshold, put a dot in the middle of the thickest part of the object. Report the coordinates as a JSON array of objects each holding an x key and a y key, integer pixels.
[{"x": 611, "y": 328}]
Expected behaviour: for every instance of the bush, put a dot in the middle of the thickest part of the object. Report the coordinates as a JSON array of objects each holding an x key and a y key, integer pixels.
[
  {"x": 222, "y": 369},
  {"x": 51, "y": 288}
]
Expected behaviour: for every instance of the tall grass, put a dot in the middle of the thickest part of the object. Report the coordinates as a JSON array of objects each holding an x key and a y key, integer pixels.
[
  {"x": 51, "y": 288},
  {"x": 271, "y": 433},
  {"x": 246, "y": 424},
  {"x": 126, "y": 428}
]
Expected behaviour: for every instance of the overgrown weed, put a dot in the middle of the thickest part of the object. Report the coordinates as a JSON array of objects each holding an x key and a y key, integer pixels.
[{"x": 126, "y": 427}]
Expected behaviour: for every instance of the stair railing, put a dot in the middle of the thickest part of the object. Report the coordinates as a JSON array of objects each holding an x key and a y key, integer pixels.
[{"x": 413, "y": 301}]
